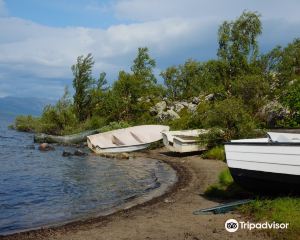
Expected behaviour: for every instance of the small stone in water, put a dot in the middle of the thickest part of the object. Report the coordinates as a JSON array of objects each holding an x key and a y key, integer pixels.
[
  {"x": 45, "y": 147},
  {"x": 66, "y": 154},
  {"x": 79, "y": 153}
]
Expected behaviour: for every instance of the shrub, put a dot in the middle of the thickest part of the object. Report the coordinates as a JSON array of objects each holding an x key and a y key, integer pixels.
[
  {"x": 252, "y": 89},
  {"x": 95, "y": 122},
  {"x": 114, "y": 125},
  {"x": 27, "y": 123},
  {"x": 231, "y": 116},
  {"x": 215, "y": 137},
  {"x": 59, "y": 118},
  {"x": 215, "y": 153},
  {"x": 186, "y": 121},
  {"x": 291, "y": 99}
]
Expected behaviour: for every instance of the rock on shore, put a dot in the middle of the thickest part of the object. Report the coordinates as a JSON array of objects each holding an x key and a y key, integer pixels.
[
  {"x": 46, "y": 147},
  {"x": 165, "y": 110}
]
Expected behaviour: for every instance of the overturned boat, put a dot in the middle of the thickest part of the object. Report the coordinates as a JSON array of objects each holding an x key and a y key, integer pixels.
[
  {"x": 271, "y": 163},
  {"x": 184, "y": 141},
  {"x": 126, "y": 139}
]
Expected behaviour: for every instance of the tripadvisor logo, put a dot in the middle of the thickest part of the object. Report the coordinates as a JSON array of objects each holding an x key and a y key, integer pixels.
[{"x": 232, "y": 225}]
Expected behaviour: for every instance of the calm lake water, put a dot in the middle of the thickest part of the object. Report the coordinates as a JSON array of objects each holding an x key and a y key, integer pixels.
[{"x": 44, "y": 188}]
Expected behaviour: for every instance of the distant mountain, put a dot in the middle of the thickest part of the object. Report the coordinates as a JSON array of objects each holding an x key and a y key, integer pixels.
[{"x": 23, "y": 105}]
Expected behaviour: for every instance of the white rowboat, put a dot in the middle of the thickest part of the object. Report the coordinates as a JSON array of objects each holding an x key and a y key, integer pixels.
[
  {"x": 271, "y": 163},
  {"x": 183, "y": 141},
  {"x": 126, "y": 139}
]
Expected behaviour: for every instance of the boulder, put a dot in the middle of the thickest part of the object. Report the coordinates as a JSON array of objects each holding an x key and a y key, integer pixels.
[
  {"x": 66, "y": 154},
  {"x": 272, "y": 112},
  {"x": 184, "y": 103},
  {"x": 196, "y": 100},
  {"x": 192, "y": 107},
  {"x": 209, "y": 97},
  {"x": 46, "y": 147},
  {"x": 159, "y": 107},
  {"x": 168, "y": 115},
  {"x": 79, "y": 153},
  {"x": 177, "y": 107}
]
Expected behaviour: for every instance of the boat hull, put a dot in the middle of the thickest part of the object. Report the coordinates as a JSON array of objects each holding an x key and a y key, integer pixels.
[
  {"x": 180, "y": 147},
  {"x": 99, "y": 150},
  {"x": 265, "y": 166},
  {"x": 183, "y": 141},
  {"x": 258, "y": 181}
]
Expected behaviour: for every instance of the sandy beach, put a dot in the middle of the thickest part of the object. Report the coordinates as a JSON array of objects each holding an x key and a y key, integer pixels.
[{"x": 169, "y": 216}]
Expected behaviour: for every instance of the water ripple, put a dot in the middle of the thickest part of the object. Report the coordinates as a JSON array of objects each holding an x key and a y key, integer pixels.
[{"x": 41, "y": 188}]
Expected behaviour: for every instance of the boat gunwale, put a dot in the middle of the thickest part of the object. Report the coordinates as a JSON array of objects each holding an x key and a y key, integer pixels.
[{"x": 125, "y": 146}]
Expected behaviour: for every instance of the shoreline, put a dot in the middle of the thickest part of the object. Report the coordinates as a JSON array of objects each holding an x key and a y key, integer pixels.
[{"x": 167, "y": 216}]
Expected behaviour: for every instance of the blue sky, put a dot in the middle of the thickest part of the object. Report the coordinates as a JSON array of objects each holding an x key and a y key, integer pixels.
[
  {"x": 65, "y": 13},
  {"x": 41, "y": 39}
]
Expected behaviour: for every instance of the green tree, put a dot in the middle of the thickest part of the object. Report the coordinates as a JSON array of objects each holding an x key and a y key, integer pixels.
[
  {"x": 289, "y": 65},
  {"x": 143, "y": 66},
  {"x": 184, "y": 81},
  {"x": 190, "y": 77},
  {"x": 98, "y": 94},
  {"x": 238, "y": 42},
  {"x": 172, "y": 82},
  {"x": 102, "y": 82},
  {"x": 291, "y": 99},
  {"x": 143, "y": 72},
  {"x": 57, "y": 118},
  {"x": 252, "y": 89},
  {"x": 213, "y": 76},
  {"x": 127, "y": 89},
  {"x": 83, "y": 82}
]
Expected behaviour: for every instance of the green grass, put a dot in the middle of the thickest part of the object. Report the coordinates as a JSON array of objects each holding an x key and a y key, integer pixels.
[
  {"x": 37, "y": 125},
  {"x": 226, "y": 188},
  {"x": 280, "y": 210},
  {"x": 27, "y": 124},
  {"x": 217, "y": 152}
]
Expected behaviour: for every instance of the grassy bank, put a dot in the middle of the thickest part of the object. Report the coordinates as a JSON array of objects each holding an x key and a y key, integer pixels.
[
  {"x": 217, "y": 152},
  {"x": 280, "y": 209},
  {"x": 40, "y": 125}
]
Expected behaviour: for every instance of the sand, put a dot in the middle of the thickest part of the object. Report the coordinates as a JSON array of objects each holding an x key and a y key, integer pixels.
[{"x": 167, "y": 217}]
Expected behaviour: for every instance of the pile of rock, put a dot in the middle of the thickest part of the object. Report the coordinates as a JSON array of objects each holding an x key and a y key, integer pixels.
[
  {"x": 165, "y": 110},
  {"x": 272, "y": 112}
]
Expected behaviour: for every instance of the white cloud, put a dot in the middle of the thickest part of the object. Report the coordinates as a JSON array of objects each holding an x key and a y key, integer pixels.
[
  {"x": 144, "y": 10},
  {"x": 29, "y": 43},
  {"x": 38, "y": 58},
  {"x": 30, "y": 49}
]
